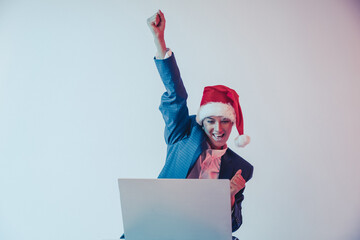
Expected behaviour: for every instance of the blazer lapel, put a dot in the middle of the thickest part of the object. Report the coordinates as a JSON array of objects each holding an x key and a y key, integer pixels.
[
  {"x": 199, "y": 134},
  {"x": 226, "y": 167}
]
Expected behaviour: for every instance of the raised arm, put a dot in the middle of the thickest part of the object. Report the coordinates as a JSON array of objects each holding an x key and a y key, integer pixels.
[
  {"x": 173, "y": 102},
  {"x": 156, "y": 24}
]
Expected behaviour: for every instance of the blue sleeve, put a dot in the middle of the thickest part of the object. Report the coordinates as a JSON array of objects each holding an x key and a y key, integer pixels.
[{"x": 173, "y": 102}]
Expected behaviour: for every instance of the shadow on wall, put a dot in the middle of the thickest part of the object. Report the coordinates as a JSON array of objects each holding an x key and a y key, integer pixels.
[
  {"x": 356, "y": 4},
  {"x": 357, "y": 237}
]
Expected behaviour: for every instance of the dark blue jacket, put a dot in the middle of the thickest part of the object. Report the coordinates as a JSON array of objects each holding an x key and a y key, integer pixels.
[{"x": 186, "y": 140}]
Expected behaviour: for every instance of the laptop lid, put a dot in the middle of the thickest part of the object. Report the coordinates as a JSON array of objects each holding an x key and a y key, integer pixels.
[{"x": 175, "y": 209}]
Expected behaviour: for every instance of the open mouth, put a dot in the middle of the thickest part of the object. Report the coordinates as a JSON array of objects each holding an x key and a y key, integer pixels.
[{"x": 218, "y": 137}]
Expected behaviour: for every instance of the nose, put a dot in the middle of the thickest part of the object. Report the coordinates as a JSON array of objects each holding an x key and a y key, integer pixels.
[{"x": 218, "y": 127}]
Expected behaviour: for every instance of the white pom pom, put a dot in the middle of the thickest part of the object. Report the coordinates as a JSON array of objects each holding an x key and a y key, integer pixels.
[{"x": 242, "y": 140}]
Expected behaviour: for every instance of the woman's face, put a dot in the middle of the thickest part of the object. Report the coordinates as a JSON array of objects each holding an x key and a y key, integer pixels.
[{"x": 217, "y": 129}]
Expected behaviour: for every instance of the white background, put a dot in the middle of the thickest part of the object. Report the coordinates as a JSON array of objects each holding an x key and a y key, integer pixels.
[{"x": 79, "y": 97}]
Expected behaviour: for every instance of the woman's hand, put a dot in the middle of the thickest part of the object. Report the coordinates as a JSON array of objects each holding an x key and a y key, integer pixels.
[
  {"x": 156, "y": 24},
  {"x": 237, "y": 183}
]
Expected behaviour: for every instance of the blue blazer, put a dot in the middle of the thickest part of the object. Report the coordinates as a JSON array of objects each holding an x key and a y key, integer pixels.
[{"x": 186, "y": 140}]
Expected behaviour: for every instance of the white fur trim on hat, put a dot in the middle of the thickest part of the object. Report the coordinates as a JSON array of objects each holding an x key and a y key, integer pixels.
[
  {"x": 215, "y": 109},
  {"x": 242, "y": 140}
]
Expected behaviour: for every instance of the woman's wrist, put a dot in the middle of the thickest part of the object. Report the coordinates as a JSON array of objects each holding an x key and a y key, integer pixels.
[{"x": 160, "y": 47}]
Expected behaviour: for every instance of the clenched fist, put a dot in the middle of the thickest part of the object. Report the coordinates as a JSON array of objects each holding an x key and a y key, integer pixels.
[
  {"x": 156, "y": 24},
  {"x": 237, "y": 183}
]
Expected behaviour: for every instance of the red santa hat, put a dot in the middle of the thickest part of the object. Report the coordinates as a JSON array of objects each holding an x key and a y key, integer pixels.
[{"x": 220, "y": 100}]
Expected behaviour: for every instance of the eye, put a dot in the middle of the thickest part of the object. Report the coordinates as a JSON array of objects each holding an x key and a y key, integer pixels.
[
  {"x": 210, "y": 121},
  {"x": 225, "y": 121}
]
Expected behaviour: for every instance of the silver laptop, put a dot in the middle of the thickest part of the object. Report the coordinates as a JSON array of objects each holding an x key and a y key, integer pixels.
[{"x": 176, "y": 209}]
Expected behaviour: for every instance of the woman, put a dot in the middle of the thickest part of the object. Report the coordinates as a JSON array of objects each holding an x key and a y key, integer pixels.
[{"x": 197, "y": 144}]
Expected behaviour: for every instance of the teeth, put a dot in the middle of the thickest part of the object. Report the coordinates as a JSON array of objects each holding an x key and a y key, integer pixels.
[{"x": 218, "y": 137}]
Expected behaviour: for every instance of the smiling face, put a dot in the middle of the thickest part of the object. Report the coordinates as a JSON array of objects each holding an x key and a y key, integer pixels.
[{"x": 217, "y": 129}]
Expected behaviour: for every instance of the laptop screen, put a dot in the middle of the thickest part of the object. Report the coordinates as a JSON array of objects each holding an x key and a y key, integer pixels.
[{"x": 175, "y": 209}]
